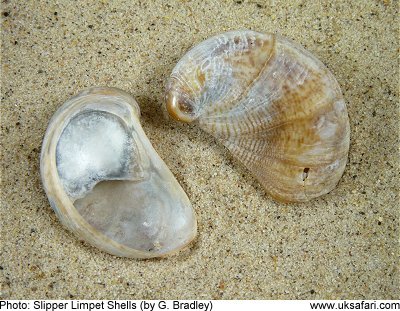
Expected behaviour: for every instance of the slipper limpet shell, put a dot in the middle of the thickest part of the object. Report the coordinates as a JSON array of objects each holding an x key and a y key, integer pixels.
[
  {"x": 107, "y": 184},
  {"x": 274, "y": 105}
]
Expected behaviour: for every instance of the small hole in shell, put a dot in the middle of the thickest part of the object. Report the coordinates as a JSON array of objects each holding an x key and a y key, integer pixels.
[{"x": 305, "y": 173}]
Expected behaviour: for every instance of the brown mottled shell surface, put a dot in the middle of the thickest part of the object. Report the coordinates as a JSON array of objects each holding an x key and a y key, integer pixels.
[{"x": 276, "y": 107}]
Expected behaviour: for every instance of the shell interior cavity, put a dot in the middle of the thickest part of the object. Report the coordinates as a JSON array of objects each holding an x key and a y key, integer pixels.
[
  {"x": 106, "y": 182},
  {"x": 275, "y": 106}
]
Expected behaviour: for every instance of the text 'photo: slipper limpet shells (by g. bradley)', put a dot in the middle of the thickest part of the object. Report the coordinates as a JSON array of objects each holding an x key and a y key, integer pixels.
[
  {"x": 274, "y": 105},
  {"x": 107, "y": 184}
]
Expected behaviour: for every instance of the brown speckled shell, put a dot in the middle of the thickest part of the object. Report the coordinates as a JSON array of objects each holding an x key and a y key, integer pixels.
[{"x": 276, "y": 107}]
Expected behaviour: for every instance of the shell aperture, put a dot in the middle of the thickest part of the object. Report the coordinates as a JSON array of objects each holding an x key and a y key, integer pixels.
[
  {"x": 275, "y": 106},
  {"x": 106, "y": 182}
]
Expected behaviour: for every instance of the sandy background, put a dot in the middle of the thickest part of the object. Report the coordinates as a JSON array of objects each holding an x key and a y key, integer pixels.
[{"x": 343, "y": 245}]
